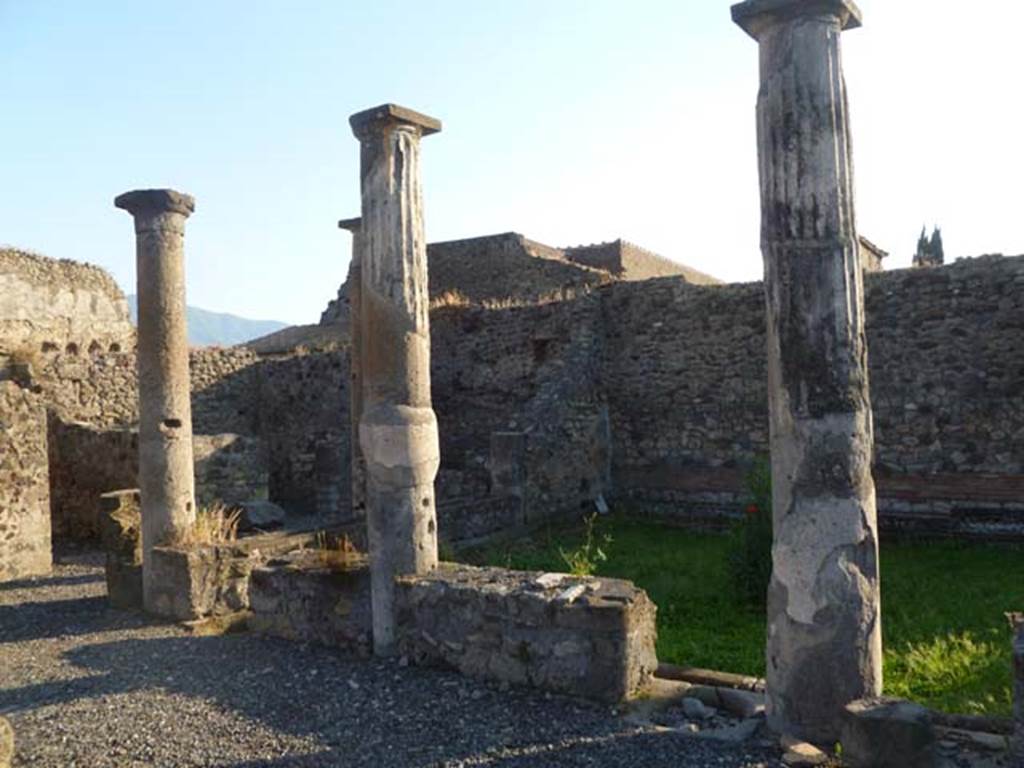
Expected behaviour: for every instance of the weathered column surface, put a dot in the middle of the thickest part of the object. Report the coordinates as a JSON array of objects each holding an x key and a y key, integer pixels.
[
  {"x": 824, "y": 645},
  {"x": 398, "y": 428},
  {"x": 166, "y": 481},
  {"x": 355, "y": 304}
]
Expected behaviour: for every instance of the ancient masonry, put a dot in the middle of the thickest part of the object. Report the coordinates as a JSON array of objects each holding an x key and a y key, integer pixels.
[
  {"x": 824, "y": 620},
  {"x": 166, "y": 479},
  {"x": 49, "y": 306},
  {"x": 652, "y": 393},
  {"x": 355, "y": 283},
  {"x": 24, "y": 485},
  {"x": 560, "y": 383}
]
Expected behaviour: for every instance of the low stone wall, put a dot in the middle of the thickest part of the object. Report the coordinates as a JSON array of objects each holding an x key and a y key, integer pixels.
[
  {"x": 206, "y": 580},
  {"x": 590, "y": 637},
  {"x": 302, "y": 598},
  {"x": 24, "y": 485},
  {"x": 199, "y": 580}
]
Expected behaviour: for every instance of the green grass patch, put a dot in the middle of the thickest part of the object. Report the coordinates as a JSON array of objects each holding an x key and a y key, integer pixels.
[{"x": 947, "y": 644}]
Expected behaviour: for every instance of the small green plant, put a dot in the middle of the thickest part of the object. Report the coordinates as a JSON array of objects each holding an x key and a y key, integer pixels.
[
  {"x": 750, "y": 543},
  {"x": 584, "y": 559}
]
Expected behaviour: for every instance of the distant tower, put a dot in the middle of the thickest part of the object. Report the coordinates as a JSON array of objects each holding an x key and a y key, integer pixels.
[{"x": 929, "y": 251}]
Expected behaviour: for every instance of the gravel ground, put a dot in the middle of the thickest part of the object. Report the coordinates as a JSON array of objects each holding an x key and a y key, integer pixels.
[{"x": 87, "y": 685}]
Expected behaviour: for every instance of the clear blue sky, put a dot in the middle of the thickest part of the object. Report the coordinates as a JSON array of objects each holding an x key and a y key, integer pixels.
[{"x": 571, "y": 121}]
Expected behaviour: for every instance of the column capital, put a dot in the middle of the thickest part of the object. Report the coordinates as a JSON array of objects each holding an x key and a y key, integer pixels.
[
  {"x": 370, "y": 121},
  {"x": 352, "y": 225},
  {"x": 757, "y": 16},
  {"x": 154, "y": 201}
]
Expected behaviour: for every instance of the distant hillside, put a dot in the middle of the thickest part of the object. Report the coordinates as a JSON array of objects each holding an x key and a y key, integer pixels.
[{"x": 207, "y": 328}]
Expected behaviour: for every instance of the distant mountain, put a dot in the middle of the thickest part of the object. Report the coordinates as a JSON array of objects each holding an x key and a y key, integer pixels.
[{"x": 206, "y": 328}]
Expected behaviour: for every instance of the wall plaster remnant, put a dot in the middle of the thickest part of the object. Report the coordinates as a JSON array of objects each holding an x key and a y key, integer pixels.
[
  {"x": 398, "y": 428},
  {"x": 824, "y": 623},
  {"x": 166, "y": 479}
]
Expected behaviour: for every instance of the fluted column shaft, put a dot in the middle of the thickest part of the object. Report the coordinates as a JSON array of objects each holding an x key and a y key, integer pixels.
[
  {"x": 398, "y": 428},
  {"x": 824, "y": 619}
]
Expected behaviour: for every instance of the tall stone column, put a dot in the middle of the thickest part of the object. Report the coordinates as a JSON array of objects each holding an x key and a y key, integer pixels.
[
  {"x": 398, "y": 429},
  {"x": 824, "y": 644},
  {"x": 355, "y": 313},
  {"x": 166, "y": 473}
]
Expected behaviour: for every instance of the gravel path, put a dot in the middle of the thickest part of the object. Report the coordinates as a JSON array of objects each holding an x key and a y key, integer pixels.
[{"x": 87, "y": 685}]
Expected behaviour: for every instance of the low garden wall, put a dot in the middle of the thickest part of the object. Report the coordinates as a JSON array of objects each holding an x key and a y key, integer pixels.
[
  {"x": 304, "y": 597},
  {"x": 589, "y": 637}
]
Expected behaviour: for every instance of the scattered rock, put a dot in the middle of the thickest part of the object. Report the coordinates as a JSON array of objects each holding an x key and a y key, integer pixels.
[
  {"x": 695, "y": 709},
  {"x": 887, "y": 733},
  {"x": 215, "y": 626},
  {"x": 801, "y": 754},
  {"x": 743, "y": 704},
  {"x": 987, "y": 742},
  {"x": 734, "y": 734}
]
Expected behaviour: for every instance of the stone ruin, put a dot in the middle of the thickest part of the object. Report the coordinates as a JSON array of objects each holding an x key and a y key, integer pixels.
[{"x": 565, "y": 378}]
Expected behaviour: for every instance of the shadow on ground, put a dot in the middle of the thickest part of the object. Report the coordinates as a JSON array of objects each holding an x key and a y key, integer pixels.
[
  {"x": 52, "y": 581},
  {"x": 62, "y": 618}
]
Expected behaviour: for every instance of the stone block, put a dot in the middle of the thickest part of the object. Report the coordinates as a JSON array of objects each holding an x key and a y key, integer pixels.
[
  {"x": 121, "y": 539},
  {"x": 589, "y": 637},
  {"x": 887, "y": 733},
  {"x": 299, "y": 597},
  {"x": 191, "y": 583}
]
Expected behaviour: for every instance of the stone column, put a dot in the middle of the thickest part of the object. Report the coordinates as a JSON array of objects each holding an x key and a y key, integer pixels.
[
  {"x": 398, "y": 429},
  {"x": 824, "y": 646},
  {"x": 166, "y": 481},
  {"x": 355, "y": 303}
]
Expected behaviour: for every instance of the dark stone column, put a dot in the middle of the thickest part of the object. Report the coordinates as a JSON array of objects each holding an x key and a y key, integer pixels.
[{"x": 824, "y": 622}]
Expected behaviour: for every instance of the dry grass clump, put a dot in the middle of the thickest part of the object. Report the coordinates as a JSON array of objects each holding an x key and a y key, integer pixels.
[
  {"x": 214, "y": 524},
  {"x": 455, "y": 298},
  {"x": 450, "y": 298},
  {"x": 337, "y": 553}
]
